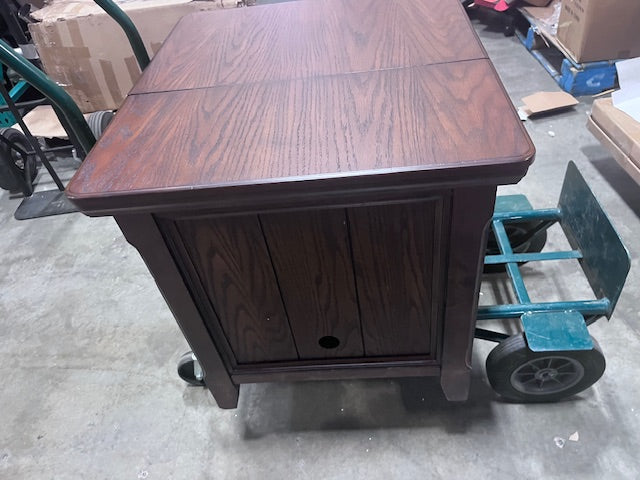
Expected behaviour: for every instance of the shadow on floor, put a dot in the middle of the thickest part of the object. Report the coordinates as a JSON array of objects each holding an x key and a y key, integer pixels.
[
  {"x": 361, "y": 404},
  {"x": 619, "y": 180}
]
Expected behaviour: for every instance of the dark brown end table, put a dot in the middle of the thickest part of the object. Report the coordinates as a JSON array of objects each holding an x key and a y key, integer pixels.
[{"x": 310, "y": 185}]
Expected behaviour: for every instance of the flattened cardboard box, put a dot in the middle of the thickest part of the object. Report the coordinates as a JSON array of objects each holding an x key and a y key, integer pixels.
[
  {"x": 87, "y": 53},
  {"x": 593, "y": 30}
]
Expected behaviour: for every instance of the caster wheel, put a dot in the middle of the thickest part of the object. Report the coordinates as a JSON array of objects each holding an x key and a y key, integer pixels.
[
  {"x": 17, "y": 172},
  {"x": 521, "y": 242},
  {"x": 509, "y": 30},
  {"x": 189, "y": 370},
  {"x": 519, "y": 374}
]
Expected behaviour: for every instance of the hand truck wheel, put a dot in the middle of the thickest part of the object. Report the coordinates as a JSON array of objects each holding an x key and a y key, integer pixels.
[
  {"x": 519, "y": 374},
  {"x": 190, "y": 371},
  {"x": 13, "y": 165},
  {"x": 98, "y": 122},
  {"x": 509, "y": 29}
]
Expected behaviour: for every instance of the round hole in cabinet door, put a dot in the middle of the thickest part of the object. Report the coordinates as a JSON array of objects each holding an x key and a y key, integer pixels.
[{"x": 329, "y": 342}]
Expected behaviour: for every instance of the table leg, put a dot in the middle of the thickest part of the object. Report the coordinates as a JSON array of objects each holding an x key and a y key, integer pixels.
[
  {"x": 142, "y": 232},
  {"x": 471, "y": 212}
]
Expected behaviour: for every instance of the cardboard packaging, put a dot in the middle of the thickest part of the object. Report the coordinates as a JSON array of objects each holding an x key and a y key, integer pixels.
[
  {"x": 544, "y": 20},
  {"x": 87, "y": 53},
  {"x": 627, "y": 98},
  {"x": 593, "y": 30},
  {"x": 547, "y": 102},
  {"x": 619, "y": 133}
]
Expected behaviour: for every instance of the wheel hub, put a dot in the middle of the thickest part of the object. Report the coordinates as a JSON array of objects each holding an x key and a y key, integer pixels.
[{"x": 547, "y": 375}]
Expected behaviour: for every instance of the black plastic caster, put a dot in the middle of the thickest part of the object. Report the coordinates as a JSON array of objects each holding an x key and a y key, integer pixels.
[
  {"x": 509, "y": 30},
  {"x": 190, "y": 371}
]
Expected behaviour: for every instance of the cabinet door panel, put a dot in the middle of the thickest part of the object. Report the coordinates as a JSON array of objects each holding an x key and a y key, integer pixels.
[
  {"x": 395, "y": 249},
  {"x": 232, "y": 261},
  {"x": 311, "y": 257}
]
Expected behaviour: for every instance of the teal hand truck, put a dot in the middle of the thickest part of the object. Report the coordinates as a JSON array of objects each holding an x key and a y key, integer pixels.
[{"x": 553, "y": 357}]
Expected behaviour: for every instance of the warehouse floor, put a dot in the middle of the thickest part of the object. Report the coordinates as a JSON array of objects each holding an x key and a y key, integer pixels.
[{"x": 88, "y": 352}]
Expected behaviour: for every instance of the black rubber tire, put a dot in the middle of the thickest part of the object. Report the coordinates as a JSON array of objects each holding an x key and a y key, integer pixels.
[
  {"x": 509, "y": 30},
  {"x": 98, "y": 122},
  {"x": 518, "y": 234},
  {"x": 509, "y": 366},
  {"x": 12, "y": 165},
  {"x": 186, "y": 370}
]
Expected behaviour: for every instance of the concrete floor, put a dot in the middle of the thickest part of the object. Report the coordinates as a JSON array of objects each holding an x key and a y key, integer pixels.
[{"x": 88, "y": 352}]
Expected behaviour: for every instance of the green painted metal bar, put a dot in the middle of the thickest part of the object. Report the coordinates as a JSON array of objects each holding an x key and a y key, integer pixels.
[
  {"x": 130, "y": 31},
  {"x": 56, "y": 95},
  {"x": 512, "y": 268},
  {"x": 18, "y": 89},
  {"x": 554, "y": 214},
  {"x": 532, "y": 257},
  {"x": 586, "y": 307}
]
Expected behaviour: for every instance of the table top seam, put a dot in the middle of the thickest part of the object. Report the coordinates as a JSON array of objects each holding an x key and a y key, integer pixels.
[{"x": 276, "y": 81}]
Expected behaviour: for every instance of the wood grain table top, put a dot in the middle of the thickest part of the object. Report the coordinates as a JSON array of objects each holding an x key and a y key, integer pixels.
[
  {"x": 303, "y": 39},
  {"x": 298, "y": 97}
]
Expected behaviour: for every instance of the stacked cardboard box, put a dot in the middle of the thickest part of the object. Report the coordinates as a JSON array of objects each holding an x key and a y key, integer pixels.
[
  {"x": 87, "y": 53},
  {"x": 593, "y": 30}
]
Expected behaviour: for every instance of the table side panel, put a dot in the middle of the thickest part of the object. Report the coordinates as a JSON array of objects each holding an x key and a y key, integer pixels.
[
  {"x": 312, "y": 261},
  {"x": 303, "y": 39},
  {"x": 232, "y": 261},
  {"x": 396, "y": 271}
]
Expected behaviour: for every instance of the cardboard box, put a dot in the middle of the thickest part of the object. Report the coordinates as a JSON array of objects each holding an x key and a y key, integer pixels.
[
  {"x": 87, "y": 53},
  {"x": 619, "y": 133},
  {"x": 593, "y": 30}
]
